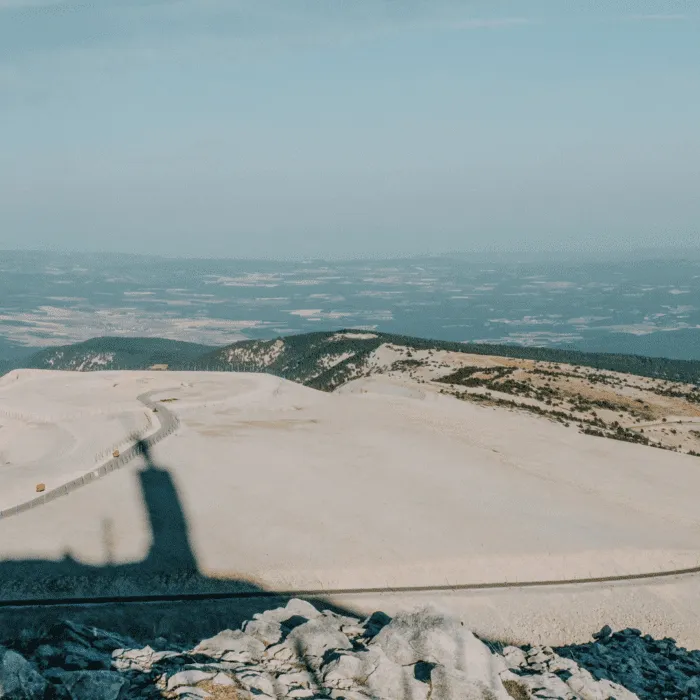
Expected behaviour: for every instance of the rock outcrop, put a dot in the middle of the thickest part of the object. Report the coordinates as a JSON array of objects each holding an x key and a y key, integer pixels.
[{"x": 300, "y": 652}]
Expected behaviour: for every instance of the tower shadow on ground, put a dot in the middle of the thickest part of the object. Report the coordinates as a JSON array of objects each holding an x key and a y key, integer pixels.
[
  {"x": 169, "y": 567},
  {"x": 190, "y": 610}
]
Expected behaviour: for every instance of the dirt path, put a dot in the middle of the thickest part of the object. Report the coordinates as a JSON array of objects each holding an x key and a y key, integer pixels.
[{"x": 662, "y": 423}]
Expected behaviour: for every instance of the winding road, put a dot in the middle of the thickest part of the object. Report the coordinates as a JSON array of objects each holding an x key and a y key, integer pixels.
[{"x": 168, "y": 424}]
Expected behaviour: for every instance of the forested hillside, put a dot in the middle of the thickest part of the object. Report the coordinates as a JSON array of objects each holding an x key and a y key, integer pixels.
[{"x": 322, "y": 360}]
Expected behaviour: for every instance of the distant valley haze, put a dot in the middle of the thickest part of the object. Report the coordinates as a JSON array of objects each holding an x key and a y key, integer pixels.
[
  {"x": 647, "y": 303},
  {"x": 210, "y": 171}
]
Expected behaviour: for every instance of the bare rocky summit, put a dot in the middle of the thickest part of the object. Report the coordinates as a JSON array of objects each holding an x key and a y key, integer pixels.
[
  {"x": 643, "y": 400},
  {"x": 299, "y": 652}
]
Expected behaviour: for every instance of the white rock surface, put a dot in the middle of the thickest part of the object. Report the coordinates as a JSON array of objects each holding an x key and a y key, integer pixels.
[
  {"x": 314, "y": 638},
  {"x": 373, "y": 673},
  {"x": 187, "y": 693},
  {"x": 507, "y": 497},
  {"x": 189, "y": 677},
  {"x": 452, "y": 684},
  {"x": 231, "y": 645},
  {"x": 420, "y": 655},
  {"x": 432, "y": 637},
  {"x": 139, "y": 659},
  {"x": 222, "y": 679}
]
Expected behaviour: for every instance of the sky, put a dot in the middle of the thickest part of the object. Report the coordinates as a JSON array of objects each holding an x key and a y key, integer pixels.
[{"x": 348, "y": 128}]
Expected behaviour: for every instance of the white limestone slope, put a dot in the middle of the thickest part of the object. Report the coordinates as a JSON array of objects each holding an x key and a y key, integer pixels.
[
  {"x": 292, "y": 488},
  {"x": 54, "y": 428}
]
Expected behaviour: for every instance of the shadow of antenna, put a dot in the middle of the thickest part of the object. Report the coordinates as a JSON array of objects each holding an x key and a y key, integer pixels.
[
  {"x": 34, "y": 592},
  {"x": 108, "y": 540},
  {"x": 171, "y": 549}
]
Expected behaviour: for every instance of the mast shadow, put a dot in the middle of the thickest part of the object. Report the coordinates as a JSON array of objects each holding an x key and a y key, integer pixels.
[{"x": 188, "y": 605}]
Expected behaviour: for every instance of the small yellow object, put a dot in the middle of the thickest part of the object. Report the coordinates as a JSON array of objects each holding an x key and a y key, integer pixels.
[
  {"x": 40, "y": 488},
  {"x": 115, "y": 453}
]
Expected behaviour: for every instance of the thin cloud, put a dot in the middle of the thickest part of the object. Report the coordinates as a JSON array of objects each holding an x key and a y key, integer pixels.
[
  {"x": 27, "y": 4},
  {"x": 489, "y": 23},
  {"x": 93, "y": 36},
  {"x": 658, "y": 17},
  {"x": 174, "y": 26}
]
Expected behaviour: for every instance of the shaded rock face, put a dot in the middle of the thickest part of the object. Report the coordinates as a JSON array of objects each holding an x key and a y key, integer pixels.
[
  {"x": 300, "y": 652},
  {"x": 541, "y": 673},
  {"x": 86, "y": 685},
  {"x": 18, "y": 678},
  {"x": 651, "y": 668}
]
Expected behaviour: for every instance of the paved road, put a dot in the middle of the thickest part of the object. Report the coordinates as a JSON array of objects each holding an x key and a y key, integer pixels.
[{"x": 168, "y": 424}]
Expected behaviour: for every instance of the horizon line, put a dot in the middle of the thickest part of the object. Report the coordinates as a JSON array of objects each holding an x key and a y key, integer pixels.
[{"x": 362, "y": 257}]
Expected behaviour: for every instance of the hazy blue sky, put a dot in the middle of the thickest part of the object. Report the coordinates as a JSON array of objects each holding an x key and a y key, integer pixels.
[{"x": 348, "y": 127}]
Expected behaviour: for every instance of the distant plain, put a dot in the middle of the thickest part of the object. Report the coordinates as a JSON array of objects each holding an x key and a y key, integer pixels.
[{"x": 646, "y": 304}]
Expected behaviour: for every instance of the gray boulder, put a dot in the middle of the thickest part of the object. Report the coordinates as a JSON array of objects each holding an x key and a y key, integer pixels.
[
  {"x": 315, "y": 637},
  {"x": 374, "y": 674},
  {"x": 588, "y": 688},
  {"x": 432, "y": 637},
  {"x": 222, "y": 679},
  {"x": 348, "y": 695},
  {"x": 88, "y": 685},
  {"x": 186, "y": 693},
  {"x": 268, "y": 626},
  {"x": 342, "y": 621},
  {"x": 77, "y": 657},
  {"x": 296, "y": 680},
  {"x": 546, "y": 674},
  {"x": 188, "y": 677},
  {"x": 279, "y": 652},
  {"x": 231, "y": 645},
  {"x": 514, "y": 657},
  {"x": 94, "y": 637},
  {"x": 374, "y": 623},
  {"x": 18, "y": 678},
  {"x": 451, "y": 684},
  {"x": 139, "y": 659},
  {"x": 257, "y": 683},
  {"x": 267, "y": 631},
  {"x": 604, "y": 633},
  {"x": 295, "y": 607}
]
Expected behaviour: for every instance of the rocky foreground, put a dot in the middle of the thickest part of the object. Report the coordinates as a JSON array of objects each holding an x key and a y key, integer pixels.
[{"x": 299, "y": 652}]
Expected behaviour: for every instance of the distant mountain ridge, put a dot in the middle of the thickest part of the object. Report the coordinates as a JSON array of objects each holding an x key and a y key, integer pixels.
[
  {"x": 643, "y": 400},
  {"x": 322, "y": 360},
  {"x": 115, "y": 353}
]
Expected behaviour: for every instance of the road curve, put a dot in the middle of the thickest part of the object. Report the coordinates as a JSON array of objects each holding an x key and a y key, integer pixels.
[
  {"x": 330, "y": 592},
  {"x": 168, "y": 424}
]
